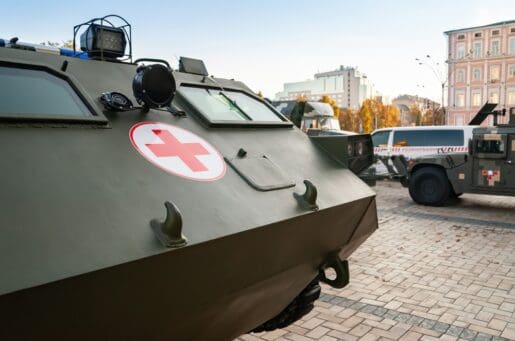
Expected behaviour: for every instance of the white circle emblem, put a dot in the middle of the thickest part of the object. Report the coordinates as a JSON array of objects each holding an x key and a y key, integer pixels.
[{"x": 177, "y": 151}]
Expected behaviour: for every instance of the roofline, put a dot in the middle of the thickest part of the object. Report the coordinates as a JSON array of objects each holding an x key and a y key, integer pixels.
[
  {"x": 446, "y": 127},
  {"x": 507, "y": 22}
]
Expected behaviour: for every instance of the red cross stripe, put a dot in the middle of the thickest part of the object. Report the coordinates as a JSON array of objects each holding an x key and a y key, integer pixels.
[
  {"x": 177, "y": 151},
  {"x": 187, "y": 152}
]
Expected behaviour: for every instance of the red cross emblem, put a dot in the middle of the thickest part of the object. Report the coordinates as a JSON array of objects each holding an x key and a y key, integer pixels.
[
  {"x": 187, "y": 152},
  {"x": 492, "y": 176},
  {"x": 177, "y": 151}
]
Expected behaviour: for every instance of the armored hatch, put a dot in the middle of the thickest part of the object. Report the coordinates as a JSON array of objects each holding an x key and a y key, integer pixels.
[{"x": 142, "y": 202}]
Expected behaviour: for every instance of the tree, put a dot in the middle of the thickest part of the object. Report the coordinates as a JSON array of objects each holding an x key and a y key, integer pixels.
[
  {"x": 68, "y": 44},
  {"x": 365, "y": 116},
  {"x": 332, "y": 103},
  {"x": 416, "y": 114},
  {"x": 348, "y": 120},
  {"x": 392, "y": 117},
  {"x": 301, "y": 98}
]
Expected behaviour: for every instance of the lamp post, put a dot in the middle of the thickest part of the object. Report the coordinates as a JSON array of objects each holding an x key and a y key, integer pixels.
[{"x": 435, "y": 67}]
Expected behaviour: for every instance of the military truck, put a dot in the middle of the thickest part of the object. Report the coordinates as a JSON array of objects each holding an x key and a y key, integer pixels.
[
  {"x": 143, "y": 202},
  {"x": 318, "y": 121},
  {"x": 487, "y": 168}
]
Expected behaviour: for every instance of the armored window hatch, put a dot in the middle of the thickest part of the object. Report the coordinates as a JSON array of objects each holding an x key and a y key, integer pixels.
[
  {"x": 36, "y": 94},
  {"x": 225, "y": 107}
]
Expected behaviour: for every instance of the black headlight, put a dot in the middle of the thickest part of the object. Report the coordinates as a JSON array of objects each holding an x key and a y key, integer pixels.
[
  {"x": 350, "y": 149},
  {"x": 154, "y": 86},
  {"x": 359, "y": 148},
  {"x": 106, "y": 41}
]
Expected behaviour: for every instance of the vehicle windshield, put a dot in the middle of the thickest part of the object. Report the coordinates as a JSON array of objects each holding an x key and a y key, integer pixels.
[
  {"x": 490, "y": 146},
  {"x": 380, "y": 138},
  {"x": 37, "y": 94},
  {"x": 228, "y": 105},
  {"x": 324, "y": 123}
]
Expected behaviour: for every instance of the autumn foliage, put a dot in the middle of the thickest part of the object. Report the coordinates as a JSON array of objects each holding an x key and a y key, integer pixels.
[
  {"x": 372, "y": 114},
  {"x": 332, "y": 103}
]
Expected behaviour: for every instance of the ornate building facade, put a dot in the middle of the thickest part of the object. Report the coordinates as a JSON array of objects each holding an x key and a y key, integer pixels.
[{"x": 481, "y": 68}]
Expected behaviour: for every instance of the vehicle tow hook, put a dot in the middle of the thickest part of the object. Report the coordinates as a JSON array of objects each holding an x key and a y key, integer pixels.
[{"x": 341, "y": 268}]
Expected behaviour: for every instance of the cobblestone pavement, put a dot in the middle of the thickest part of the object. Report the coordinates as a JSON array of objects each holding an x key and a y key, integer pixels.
[{"x": 445, "y": 273}]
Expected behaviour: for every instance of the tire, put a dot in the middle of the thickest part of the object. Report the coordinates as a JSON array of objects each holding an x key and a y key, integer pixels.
[
  {"x": 300, "y": 306},
  {"x": 429, "y": 186},
  {"x": 456, "y": 195}
]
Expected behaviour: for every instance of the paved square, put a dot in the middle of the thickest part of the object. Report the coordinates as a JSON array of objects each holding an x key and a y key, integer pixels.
[{"x": 428, "y": 273}]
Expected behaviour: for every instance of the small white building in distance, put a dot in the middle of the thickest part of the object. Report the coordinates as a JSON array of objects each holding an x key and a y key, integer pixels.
[{"x": 346, "y": 85}]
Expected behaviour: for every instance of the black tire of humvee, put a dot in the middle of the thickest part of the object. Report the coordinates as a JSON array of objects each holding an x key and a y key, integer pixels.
[
  {"x": 455, "y": 195},
  {"x": 435, "y": 177}
]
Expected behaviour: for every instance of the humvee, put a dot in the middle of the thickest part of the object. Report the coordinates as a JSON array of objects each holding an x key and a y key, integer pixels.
[{"x": 487, "y": 168}]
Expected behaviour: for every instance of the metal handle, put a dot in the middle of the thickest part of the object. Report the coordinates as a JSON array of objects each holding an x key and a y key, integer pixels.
[
  {"x": 169, "y": 231},
  {"x": 308, "y": 200}
]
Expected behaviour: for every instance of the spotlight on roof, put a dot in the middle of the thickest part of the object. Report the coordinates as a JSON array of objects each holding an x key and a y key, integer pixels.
[{"x": 102, "y": 39}]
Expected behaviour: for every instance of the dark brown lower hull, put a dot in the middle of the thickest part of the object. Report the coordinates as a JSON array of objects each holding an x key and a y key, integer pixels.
[{"x": 211, "y": 291}]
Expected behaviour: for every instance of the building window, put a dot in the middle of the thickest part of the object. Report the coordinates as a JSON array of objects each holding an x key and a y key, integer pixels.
[
  {"x": 477, "y": 49},
  {"x": 458, "y": 120},
  {"x": 477, "y": 74},
  {"x": 495, "y": 50},
  {"x": 460, "y": 76},
  {"x": 460, "y": 51},
  {"x": 476, "y": 99},
  {"x": 494, "y": 73},
  {"x": 511, "y": 71},
  {"x": 460, "y": 100},
  {"x": 511, "y": 98},
  {"x": 461, "y": 37},
  {"x": 477, "y": 35},
  {"x": 494, "y": 97},
  {"x": 512, "y": 45},
  {"x": 495, "y": 32}
]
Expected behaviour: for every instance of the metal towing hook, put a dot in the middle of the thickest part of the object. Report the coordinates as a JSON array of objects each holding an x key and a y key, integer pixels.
[{"x": 341, "y": 267}]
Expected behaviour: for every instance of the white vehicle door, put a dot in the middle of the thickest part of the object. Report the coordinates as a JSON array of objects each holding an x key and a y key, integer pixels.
[{"x": 380, "y": 140}]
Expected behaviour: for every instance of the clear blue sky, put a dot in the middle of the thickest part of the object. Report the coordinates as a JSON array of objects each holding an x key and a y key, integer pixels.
[{"x": 266, "y": 43}]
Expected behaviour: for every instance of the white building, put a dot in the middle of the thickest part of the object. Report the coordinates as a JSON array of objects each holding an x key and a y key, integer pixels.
[{"x": 346, "y": 85}]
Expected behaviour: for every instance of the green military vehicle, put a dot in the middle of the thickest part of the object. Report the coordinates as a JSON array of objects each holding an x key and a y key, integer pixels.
[
  {"x": 318, "y": 121},
  {"x": 141, "y": 202},
  {"x": 487, "y": 168}
]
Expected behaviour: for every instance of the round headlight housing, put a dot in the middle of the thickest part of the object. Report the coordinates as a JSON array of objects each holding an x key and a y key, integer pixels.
[
  {"x": 350, "y": 149},
  {"x": 359, "y": 148},
  {"x": 154, "y": 86}
]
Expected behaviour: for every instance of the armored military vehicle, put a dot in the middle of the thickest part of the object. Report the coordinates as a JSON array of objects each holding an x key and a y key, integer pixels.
[
  {"x": 487, "y": 168},
  {"x": 318, "y": 121},
  {"x": 140, "y": 202}
]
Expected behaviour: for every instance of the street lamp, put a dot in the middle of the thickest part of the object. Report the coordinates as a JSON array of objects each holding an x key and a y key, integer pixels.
[{"x": 435, "y": 67}]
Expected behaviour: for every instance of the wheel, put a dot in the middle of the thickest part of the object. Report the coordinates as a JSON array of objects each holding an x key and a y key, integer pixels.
[
  {"x": 300, "y": 306},
  {"x": 429, "y": 186},
  {"x": 454, "y": 194}
]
